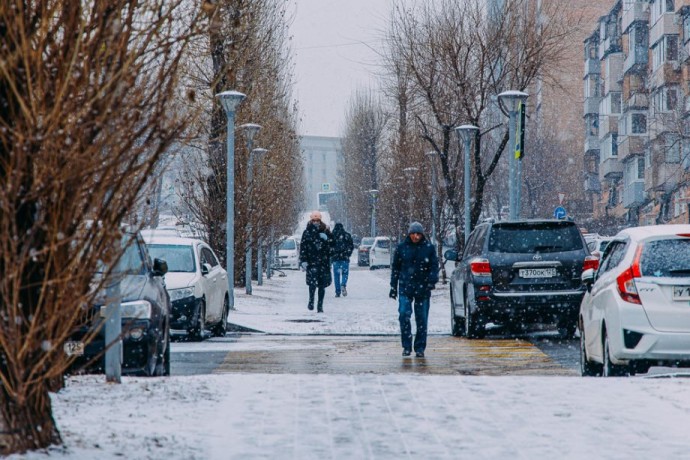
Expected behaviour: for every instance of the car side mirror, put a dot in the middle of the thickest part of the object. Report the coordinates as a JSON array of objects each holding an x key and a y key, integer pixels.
[
  {"x": 451, "y": 254},
  {"x": 205, "y": 269},
  {"x": 588, "y": 278},
  {"x": 160, "y": 267}
]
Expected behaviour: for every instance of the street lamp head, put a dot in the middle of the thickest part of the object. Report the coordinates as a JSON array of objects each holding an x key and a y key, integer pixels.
[
  {"x": 374, "y": 193},
  {"x": 511, "y": 99},
  {"x": 432, "y": 153},
  {"x": 466, "y": 131},
  {"x": 259, "y": 152},
  {"x": 230, "y": 100},
  {"x": 250, "y": 130}
]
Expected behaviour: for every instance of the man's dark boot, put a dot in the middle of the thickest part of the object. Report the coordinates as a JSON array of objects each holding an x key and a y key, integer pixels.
[
  {"x": 310, "y": 305},
  {"x": 319, "y": 308}
]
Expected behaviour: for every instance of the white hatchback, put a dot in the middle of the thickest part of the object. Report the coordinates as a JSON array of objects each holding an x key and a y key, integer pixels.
[
  {"x": 380, "y": 253},
  {"x": 288, "y": 253},
  {"x": 196, "y": 282},
  {"x": 636, "y": 312}
]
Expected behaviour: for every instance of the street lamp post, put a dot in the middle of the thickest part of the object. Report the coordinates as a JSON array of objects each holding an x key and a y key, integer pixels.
[
  {"x": 409, "y": 172},
  {"x": 250, "y": 130},
  {"x": 230, "y": 100},
  {"x": 511, "y": 99},
  {"x": 374, "y": 196},
  {"x": 465, "y": 133},
  {"x": 431, "y": 156}
]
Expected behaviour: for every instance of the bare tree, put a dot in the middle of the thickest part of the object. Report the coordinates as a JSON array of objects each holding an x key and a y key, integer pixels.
[
  {"x": 461, "y": 55},
  {"x": 87, "y": 107}
]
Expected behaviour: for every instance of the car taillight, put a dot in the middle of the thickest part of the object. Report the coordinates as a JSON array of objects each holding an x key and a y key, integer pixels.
[
  {"x": 480, "y": 267},
  {"x": 626, "y": 280},
  {"x": 590, "y": 262}
]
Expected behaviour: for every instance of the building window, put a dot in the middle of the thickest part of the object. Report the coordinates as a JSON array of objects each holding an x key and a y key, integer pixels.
[
  {"x": 686, "y": 28},
  {"x": 638, "y": 123},
  {"x": 640, "y": 168},
  {"x": 665, "y": 99},
  {"x": 672, "y": 150}
]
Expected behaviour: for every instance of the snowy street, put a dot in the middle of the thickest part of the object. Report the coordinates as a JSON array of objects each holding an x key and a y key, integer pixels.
[{"x": 285, "y": 413}]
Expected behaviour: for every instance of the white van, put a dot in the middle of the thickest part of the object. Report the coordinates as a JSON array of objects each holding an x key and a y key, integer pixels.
[
  {"x": 288, "y": 253},
  {"x": 380, "y": 253}
]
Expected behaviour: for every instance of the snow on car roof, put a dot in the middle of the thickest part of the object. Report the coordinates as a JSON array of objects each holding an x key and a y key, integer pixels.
[
  {"x": 172, "y": 240},
  {"x": 651, "y": 231}
]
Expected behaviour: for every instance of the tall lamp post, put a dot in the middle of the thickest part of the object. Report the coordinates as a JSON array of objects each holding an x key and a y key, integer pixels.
[
  {"x": 374, "y": 197},
  {"x": 511, "y": 100},
  {"x": 465, "y": 134},
  {"x": 431, "y": 156},
  {"x": 230, "y": 100},
  {"x": 250, "y": 130},
  {"x": 409, "y": 173}
]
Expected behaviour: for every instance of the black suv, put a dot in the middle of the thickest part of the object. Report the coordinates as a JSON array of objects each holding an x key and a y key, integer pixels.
[{"x": 517, "y": 273}]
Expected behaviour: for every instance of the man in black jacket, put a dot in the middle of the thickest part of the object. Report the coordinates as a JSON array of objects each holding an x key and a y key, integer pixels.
[
  {"x": 342, "y": 250},
  {"x": 414, "y": 273}
]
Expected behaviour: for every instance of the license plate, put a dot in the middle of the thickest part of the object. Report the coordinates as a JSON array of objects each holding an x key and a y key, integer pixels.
[
  {"x": 681, "y": 292},
  {"x": 537, "y": 272},
  {"x": 74, "y": 348}
]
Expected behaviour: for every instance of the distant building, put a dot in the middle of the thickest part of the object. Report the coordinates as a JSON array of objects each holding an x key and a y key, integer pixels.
[{"x": 322, "y": 156}]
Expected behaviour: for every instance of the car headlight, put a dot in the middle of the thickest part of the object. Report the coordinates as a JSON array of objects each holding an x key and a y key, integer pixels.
[
  {"x": 177, "y": 294},
  {"x": 139, "y": 309}
]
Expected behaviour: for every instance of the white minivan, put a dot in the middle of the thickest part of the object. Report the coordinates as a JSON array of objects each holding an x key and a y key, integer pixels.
[
  {"x": 380, "y": 253},
  {"x": 288, "y": 253},
  {"x": 196, "y": 282}
]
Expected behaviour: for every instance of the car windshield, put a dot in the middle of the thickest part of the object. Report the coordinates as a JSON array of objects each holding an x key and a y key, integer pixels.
[
  {"x": 178, "y": 257},
  {"x": 288, "y": 245},
  {"x": 527, "y": 238},
  {"x": 131, "y": 262},
  {"x": 367, "y": 241},
  {"x": 383, "y": 244},
  {"x": 666, "y": 258}
]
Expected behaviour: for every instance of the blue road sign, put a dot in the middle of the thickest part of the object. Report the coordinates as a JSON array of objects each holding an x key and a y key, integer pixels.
[{"x": 559, "y": 212}]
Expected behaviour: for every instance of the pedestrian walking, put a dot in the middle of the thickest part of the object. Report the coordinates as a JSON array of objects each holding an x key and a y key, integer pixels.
[
  {"x": 414, "y": 273},
  {"x": 315, "y": 258},
  {"x": 342, "y": 250}
]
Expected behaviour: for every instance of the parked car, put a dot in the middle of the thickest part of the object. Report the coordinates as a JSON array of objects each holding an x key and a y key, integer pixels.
[
  {"x": 518, "y": 273},
  {"x": 197, "y": 284},
  {"x": 635, "y": 313},
  {"x": 363, "y": 251},
  {"x": 288, "y": 253},
  {"x": 596, "y": 247},
  {"x": 380, "y": 252},
  {"x": 145, "y": 313}
]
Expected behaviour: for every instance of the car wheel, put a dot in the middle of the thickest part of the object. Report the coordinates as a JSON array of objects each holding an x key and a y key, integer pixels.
[
  {"x": 196, "y": 333},
  {"x": 457, "y": 327},
  {"x": 587, "y": 368},
  {"x": 163, "y": 357},
  {"x": 474, "y": 328},
  {"x": 610, "y": 369},
  {"x": 221, "y": 328}
]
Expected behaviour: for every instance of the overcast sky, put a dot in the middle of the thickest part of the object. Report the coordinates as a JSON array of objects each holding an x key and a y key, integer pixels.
[{"x": 332, "y": 42}]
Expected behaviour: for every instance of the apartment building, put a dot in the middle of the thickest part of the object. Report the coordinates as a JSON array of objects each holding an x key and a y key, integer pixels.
[
  {"x": 636, "y": 112},
  {"x": 322, "y": 156}
]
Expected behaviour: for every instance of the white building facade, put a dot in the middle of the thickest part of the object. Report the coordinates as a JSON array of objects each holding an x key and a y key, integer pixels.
[{"x": 322, "y": 158}]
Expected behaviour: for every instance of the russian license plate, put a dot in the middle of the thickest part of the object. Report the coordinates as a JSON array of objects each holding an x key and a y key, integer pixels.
[
  {"x": 681, "y": 292},
  {"x": 74, "y": 348},
  {"x": 537, "y": 272}
]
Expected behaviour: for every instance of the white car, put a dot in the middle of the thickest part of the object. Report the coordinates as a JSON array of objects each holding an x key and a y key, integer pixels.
[
  {"x": 596, "y": 246},
  {"x": 196, "y": 282},
  {"x": 380, "y": 253},
  {"x": 636, "y": 311},
  {"x": 288, "y": 253}
]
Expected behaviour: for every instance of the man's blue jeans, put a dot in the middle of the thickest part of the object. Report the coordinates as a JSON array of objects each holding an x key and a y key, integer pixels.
[
  {"x": 341, "y": 268},
  {"x": 421, "y": 317}
]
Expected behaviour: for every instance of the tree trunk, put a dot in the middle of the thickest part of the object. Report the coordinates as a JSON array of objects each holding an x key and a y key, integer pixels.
[{"x": 28, "y": 425}]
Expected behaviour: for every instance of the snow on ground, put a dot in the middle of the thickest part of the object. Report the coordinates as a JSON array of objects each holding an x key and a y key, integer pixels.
[{"x": 268, "y": 416}]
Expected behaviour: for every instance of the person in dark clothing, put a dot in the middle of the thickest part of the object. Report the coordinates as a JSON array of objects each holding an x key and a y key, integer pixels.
[
  {"x": 414, "y": 273},
  {"x": 315, "y": 258},
  {"x": 342, "y": 250}
]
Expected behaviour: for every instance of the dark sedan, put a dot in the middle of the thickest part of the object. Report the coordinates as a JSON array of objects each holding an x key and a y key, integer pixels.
[{"x": 145, "y": 312}]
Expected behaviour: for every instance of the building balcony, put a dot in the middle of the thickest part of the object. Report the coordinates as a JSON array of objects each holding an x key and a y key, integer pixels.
[
  {"x": 667, "y": 73},
  {"x": 610, "y": 168},
  {"x": 663, "y": 122},
  {"x": 630, "y": 145},
  {"x": 608, "y": 124},
  {"x": 592, "y": 105},
  {"x": 613, "y": 71},
  {"x": 633, "y": 194},
  {"x": 636, "y": 61},
  {"x": 636, "y": 101},
  {"x": 592, "y": 66},
  {"x": 661, "y": 178},
  {"x": 591, "y": 143},
  {"x": 610, "y": 45},
  {"x": 592, "y": 183},
  {"x": 636, "y": 12},
  {"x": 664, "y": 26}
]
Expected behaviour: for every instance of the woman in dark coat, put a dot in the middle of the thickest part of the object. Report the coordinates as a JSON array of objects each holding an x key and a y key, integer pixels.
[{"x": 314, "y": 257}]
